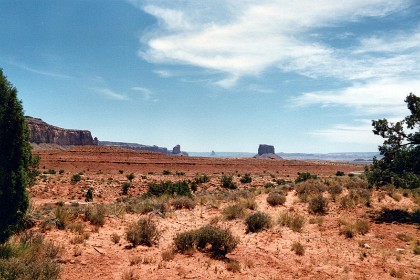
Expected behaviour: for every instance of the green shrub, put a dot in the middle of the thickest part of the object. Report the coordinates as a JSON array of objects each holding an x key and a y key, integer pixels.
[
  {"x": 130, "y": 177},
  {"x": 269, "y": 185},
  {"x": 221, "y": 240},
  {"x": 89, "y": 195},
  {"x": 257, "y": 222},
  {"x": 180, "y": 188},
  {"x": 305, "y": 190},
  {"x": 275, "y": 199},
  {"x": 339, "y": 173},
  {"x": 167, "y": 172},
  {"x": 185, "y": 241},
  {"x": 349, "y": 229},
  {"x": 246, "y": 178},
  {"x": 233, "y": 212},
  {"x": 115, "y": 238},
  {"x": 227, "y": 182},
  {"x": 209, "y": 238},
  {"x": 202, "y": 179},
  {"x": 125, "y": 187},
  {"x": 142, "y": 232},
  {"x": 318, "y": 205},
  {"x": 304, "y": 176},
  {"x": 51, "y": 171},
  {"x": 62, "y": 217},
  {"x": 294, "y": 221},
  {"x": 356, "y": 197},
  {"x": 76, "y": 178},
  {"x": 61, "y": 171}
]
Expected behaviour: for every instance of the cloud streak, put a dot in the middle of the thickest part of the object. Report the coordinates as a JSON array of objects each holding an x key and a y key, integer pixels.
[{"x": 108, "y": 93}]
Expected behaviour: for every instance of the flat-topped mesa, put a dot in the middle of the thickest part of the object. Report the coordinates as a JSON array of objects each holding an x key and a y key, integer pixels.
[
  {"x": 42, "y": 133},
  {"x": 266, "y": 151},
  {"x": 134, "y": 146}
]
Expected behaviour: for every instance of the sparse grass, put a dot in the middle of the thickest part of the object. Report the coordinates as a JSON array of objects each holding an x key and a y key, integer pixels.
[
  {"x": 294, "y": 221},
  {"x": 29, "y": 256},
  {"x": 96, "y": 214},
  {"x": 304, "y": 176},
  {"x": 257, "y": 222},
  {"x": 129, "y": 275},
  {"x": 142, "y": 232},
  {"x": 183, "y": 202},
  {"x": 76, "y": 178},
  {"x": 356, "y": 197},
  {"x": 115, "y": 238},
  {"x": 233, "y": 266},
  {"x": 168, "y": 254},
  {"x": 298, "y": 248},
  {"x": 349, "y": 229},
  {"x": 396, "y": 273},
  {"x": 232, "y": 212}
]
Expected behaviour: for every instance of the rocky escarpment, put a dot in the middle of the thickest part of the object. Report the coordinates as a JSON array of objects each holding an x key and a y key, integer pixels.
[
  {"x": 41, "y": 132},
  {"x": 266, "y": 151},
  {"x": 134, "y": 146}
]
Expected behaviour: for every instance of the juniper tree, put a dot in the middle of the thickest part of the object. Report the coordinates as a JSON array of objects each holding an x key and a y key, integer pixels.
[
  {"x": 400, "y": 164},
  {"x": 15, "y": 158}
]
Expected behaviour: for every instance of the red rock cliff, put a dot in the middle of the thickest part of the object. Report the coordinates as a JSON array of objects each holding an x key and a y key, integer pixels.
[{"x": 41, "y": 132}]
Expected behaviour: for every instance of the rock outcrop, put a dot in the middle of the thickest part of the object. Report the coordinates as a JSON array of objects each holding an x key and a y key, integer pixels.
[
  {"x": 42, "y": 133},
  {"x": 134, "y": 146},
  {"x": 266, "y": 151},
  {"x": 177, "y": 151}
]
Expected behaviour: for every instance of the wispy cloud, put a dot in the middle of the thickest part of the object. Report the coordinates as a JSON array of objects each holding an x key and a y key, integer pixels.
[
  {"x": 147, "y": 93},
  {"x": 38, "y": 71},
  {"x": 164, "y": 73},
  {"x": 108, "y": 93},
  {"x": 252, "y": 36}
]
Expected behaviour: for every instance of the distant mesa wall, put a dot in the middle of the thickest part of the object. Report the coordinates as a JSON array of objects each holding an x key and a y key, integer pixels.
[
  {"x": 134, "y": 146},
  {"x": 40, "y": 132},
  {"x": 177, "y": 151}
]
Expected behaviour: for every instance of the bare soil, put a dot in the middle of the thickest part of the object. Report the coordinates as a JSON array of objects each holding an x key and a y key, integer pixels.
[{"x": 379, "y": 254}]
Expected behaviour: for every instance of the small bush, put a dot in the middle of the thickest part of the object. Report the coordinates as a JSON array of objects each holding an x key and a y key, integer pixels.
[
  {"x": 89, "y": 195},
  {"x": 62, "y": 217},
  {"x": 233, "y": 266},
  {"x": 125, "y": 187},
  {"x": 362, "y": 226},
  {"x": 298, "y": 248},
  {"x": 96, "y": 214},
  {"x": 185, "y": 241},
  {"x": 416, "y": 248},
  {"x": 120, "y": 171},
  {"x": 168, "y": 255},
  {"x": 339, "y": 173},
  {"x": 142, "y": 232},
  {"x": 167, "y": 172},
  {"x": 76, "y": 178},
  {"x": 246, "y": 179},
  {"x": 294, "y": 221},
  {"x": 304, "y": 176},
  {"x": 130, "y": 177},
  {"x": 51, "y": 171},
  {"x": 180, "y": 188},
  {"x": 227, "y": 182},
  {"x": 269, "y": 185},
  {"x": 233, "y": 212},
  {"x": 318, "y": 205},
  {"x": 257, "y": 222},
  {"x": 209, "y": 238},
  {"x": 275, "y": 199},
  {"x": 404, "y": 237},
  {"x": 349, "y": 229},
  {"x": 202, "y": 179},
  {"x": 61, "y": 171}
]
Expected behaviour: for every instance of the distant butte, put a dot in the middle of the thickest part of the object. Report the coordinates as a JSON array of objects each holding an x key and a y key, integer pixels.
[{"x": 266, "y": 151}]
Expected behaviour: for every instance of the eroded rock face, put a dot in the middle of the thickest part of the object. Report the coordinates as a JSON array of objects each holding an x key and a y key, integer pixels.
[
  {"x": 41, "y": 132},
  {"x": 265, "y": 149},
  {"x": 176, "y": 149}
]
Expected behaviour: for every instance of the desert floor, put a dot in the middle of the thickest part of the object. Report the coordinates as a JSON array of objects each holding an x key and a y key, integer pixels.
[{"x": 94, "y": 252}]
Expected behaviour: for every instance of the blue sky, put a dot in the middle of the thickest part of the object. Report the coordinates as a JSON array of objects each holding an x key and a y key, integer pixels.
[{"x": 223, "y": 75}]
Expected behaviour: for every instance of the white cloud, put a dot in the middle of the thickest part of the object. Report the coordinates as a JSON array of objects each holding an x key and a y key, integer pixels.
[
  {"x": 164, "y": 73},
  {"x": 110, "y": 94},
  {"x": 147, "y": 93},
  {"x": 38, "y": 71},
  {"x": 251, "y": 36},
  {"x": 385, "y": 97}
]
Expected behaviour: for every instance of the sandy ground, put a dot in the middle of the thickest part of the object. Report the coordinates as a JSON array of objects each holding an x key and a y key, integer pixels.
[{"x": 264, "y": 255}]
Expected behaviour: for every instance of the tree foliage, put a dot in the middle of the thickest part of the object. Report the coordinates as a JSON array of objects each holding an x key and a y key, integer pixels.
[
  {"x": 400, "y": 164},
  {"x": 15, "y": 159}
]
